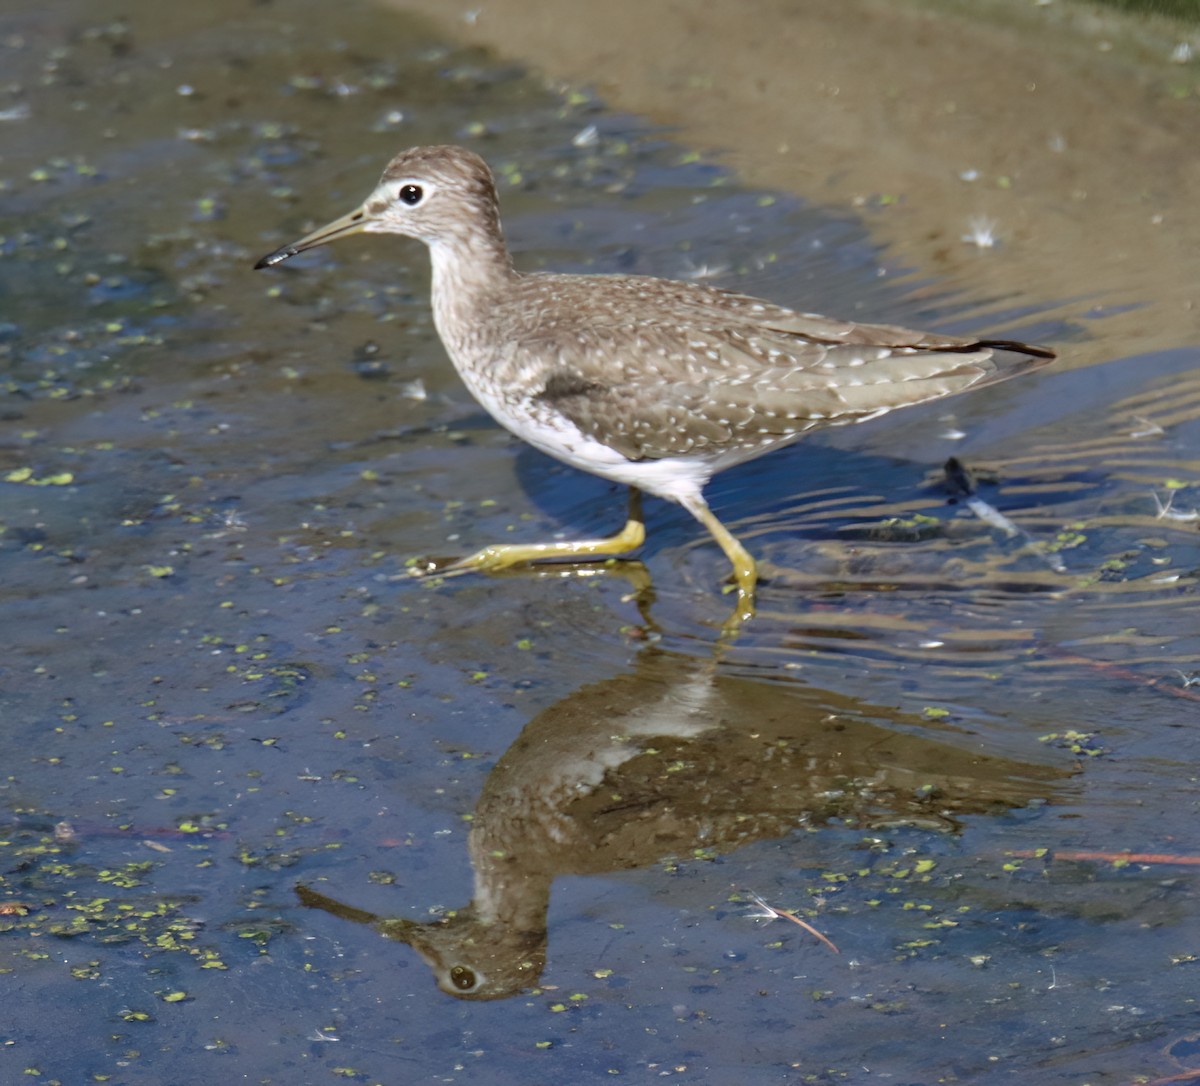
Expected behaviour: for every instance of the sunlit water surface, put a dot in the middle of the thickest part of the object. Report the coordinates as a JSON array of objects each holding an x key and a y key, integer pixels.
[{"x": 219, "y": 682}]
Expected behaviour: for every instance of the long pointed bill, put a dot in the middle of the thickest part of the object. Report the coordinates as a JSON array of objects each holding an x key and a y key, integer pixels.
[{"x": 353, "y": 223}]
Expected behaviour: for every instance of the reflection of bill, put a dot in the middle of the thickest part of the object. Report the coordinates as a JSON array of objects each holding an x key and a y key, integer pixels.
[{"x": 671, "y": 757}]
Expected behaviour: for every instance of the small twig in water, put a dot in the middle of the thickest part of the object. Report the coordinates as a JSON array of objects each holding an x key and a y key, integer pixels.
[
  {"x": 1166, "y": 512},
  {"x": 1104, "y": 856},
  {"x": 1149, "y": 429},
  {"x": 769, "y": 912},
  {"x": 1125, "y": 674},
  {"x": 1183, "y": 1076},
  {"x": 960, "y": 484}
]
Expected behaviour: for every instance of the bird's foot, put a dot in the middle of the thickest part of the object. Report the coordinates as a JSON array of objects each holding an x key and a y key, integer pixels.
[
  {"x": 743, "y": 583},
  {"x": 446, "y": 566},
  {"x": 743, "y": 611},
  {"x": 504, "y": 556}
]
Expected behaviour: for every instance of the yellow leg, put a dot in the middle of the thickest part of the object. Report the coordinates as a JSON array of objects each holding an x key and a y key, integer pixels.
[
  {"x": 745, "y": 571},
  {"x": 503, "y": 555}
]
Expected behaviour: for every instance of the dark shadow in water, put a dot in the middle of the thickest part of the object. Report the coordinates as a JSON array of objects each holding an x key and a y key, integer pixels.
[{"x": 669, "y": 758}]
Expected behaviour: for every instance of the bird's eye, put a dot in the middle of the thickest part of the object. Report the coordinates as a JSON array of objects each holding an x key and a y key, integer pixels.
[
  {"x": 411, "y": 194},
  {"x": 462, "y": 977}
]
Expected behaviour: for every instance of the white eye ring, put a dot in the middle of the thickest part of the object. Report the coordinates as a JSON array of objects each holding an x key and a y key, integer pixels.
[{"x": 409, "y": 191}]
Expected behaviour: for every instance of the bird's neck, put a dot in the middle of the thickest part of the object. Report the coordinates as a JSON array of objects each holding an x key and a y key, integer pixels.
[{"x": 469, "y": 275}]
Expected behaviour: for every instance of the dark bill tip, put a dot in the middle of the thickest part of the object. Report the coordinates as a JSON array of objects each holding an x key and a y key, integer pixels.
[
  {"x": 277, "y": 257},
  {"x": 354, "y": 223}
]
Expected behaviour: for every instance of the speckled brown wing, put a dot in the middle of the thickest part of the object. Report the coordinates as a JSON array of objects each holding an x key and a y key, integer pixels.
[
  {"x": 658, "y": 368},
  {"x": 731, "y": 396}
]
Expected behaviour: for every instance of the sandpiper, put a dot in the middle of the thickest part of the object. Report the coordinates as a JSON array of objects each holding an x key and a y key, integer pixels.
[{"x": 653, "y": 383}]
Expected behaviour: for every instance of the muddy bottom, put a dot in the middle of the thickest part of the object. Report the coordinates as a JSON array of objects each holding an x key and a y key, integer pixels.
[{"x": 272, "y": 809}]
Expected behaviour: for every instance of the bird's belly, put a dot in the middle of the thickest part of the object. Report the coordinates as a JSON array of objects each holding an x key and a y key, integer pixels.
[{"x": 539, "y": 425}]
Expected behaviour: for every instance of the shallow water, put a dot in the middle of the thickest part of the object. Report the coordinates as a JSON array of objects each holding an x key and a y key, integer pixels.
[{"x": 220, "y": 684}]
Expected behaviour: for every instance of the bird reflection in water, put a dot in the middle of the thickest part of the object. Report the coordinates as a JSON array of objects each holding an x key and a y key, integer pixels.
[{"x": 672, "y": 757}]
